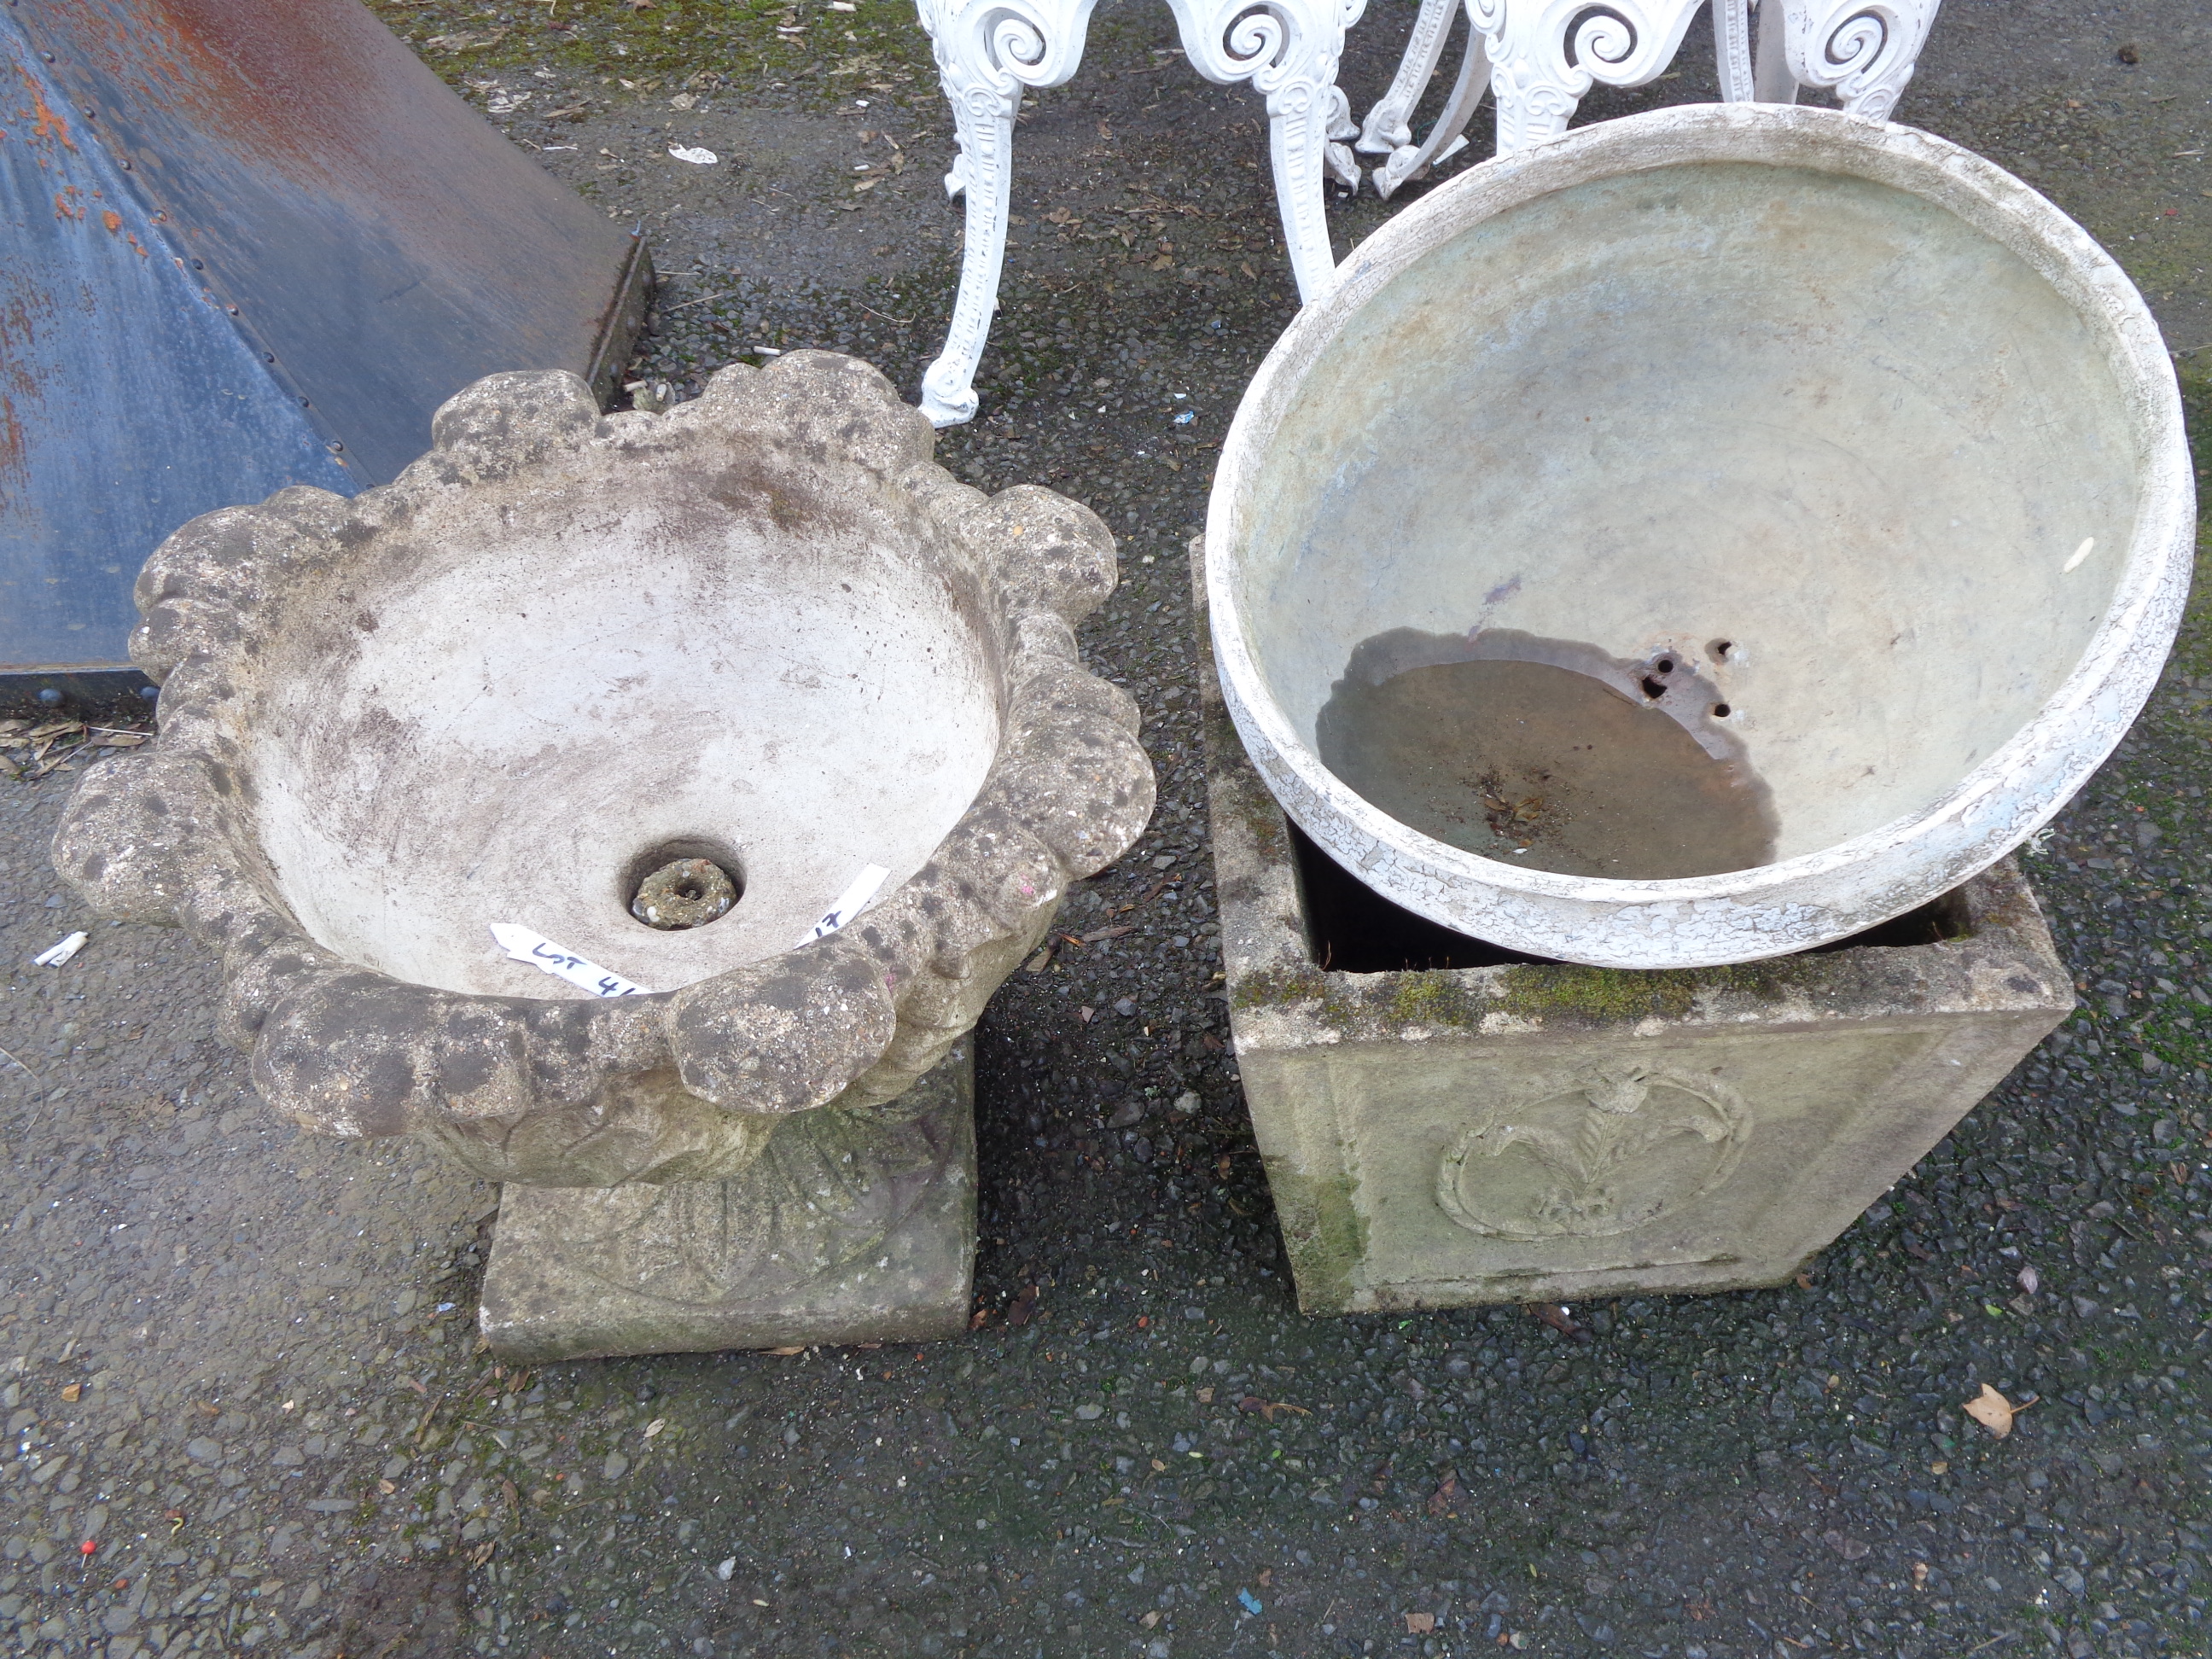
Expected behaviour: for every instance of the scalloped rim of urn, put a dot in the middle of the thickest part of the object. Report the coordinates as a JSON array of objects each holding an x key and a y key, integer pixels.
[
  {"x": 164, "y": 834},
  {"x": 1814, "y": 898}
]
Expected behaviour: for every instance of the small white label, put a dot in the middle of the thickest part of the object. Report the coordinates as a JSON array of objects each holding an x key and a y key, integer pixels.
[
  {"x": 54, "y": 955},
  {"x": 542, "y": 953},
  {"x": 697, "y": 156},
  {"x": 849, "y": 903}
]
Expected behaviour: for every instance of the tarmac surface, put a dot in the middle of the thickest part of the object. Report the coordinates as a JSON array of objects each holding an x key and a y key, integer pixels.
[{"x": 246, "y": 1407}]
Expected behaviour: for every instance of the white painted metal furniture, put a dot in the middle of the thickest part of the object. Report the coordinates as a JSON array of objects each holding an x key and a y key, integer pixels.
[
  {"x": 1540, "y": 56},
  {"x": 989, "y": 51}
]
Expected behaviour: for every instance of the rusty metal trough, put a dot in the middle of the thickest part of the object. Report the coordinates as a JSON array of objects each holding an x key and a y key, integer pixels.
[{"x": 251, "y": 243}]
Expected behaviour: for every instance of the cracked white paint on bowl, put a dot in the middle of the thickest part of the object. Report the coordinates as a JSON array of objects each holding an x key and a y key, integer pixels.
[{"x": 1842, "y": 395}]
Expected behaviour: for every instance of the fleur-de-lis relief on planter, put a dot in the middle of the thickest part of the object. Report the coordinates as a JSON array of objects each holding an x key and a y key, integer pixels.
[
  {"x": 1607, "y": 1154},
  {"x": 988, "y": 50}
]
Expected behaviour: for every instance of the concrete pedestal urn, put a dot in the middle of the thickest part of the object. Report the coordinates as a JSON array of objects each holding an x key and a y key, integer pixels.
[
  {"x": 763, "y": 735},
  {"x": 1446, "y": 1123}
]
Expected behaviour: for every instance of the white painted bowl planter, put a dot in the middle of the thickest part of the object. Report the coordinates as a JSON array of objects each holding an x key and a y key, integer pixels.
[
  {"x": 1863, "y": 442},
  {"x": 564, "y": 649}
]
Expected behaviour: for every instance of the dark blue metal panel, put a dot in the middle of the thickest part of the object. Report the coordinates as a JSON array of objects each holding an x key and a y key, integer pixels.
[
  {"x": 250, "y": 242},
  {"x": 373, "y": 232},
  {"x": 128, "y": 402}
]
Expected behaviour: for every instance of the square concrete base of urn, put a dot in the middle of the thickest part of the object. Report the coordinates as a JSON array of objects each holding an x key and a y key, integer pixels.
[
  {"x": 852, "y": 1226},
  {"x": 1473, "y": 1128}
]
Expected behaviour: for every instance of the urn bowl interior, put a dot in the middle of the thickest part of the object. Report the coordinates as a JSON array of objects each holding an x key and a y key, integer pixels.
[
  {"x": 507, "y": 707},
  {"x": 1853, "y": 473}
]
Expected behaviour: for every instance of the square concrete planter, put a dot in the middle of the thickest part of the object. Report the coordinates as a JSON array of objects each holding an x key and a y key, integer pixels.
[{"x": 1445, "y": 1124}]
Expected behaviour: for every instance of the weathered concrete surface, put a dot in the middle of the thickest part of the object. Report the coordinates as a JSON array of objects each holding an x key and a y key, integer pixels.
[
  {"x": 1862, "y": 447},
  {"x": 1441, "y": 1137},
  {"x": 1798, "y": 1429},
  {"x": 854, "y": 1225},
  {"x": 560, "y": 650}
]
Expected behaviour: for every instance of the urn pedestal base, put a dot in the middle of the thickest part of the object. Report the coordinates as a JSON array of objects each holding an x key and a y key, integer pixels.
[
  {"x": 854, "y": 1226},
  {"x": 1444, "y": 1123}
]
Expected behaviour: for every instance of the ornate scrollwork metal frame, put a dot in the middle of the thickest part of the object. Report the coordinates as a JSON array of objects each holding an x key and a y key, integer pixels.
[
  {"x": 987, "y": 52},
  {"x": 1542, "y": 56}
]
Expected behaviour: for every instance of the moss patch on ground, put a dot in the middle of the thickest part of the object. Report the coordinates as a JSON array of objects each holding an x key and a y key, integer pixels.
[{"x": 669, "y": 46}]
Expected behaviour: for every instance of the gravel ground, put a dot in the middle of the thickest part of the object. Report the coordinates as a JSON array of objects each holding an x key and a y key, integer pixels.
[{"x": 245, "y": 1404}]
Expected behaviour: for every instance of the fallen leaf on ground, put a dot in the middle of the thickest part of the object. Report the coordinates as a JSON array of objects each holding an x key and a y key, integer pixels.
[
  {"x": 1442, "y": 1498},
  {"x": 1849, "y": 1548},
  {"x": 1419, "y": 1623},
  {"x": 71, "y": 1392},
  {"x": 1024, "y": 1305},
  {"x": 1994, "y": 1412},
  {"x": 787, "y": 1352}
]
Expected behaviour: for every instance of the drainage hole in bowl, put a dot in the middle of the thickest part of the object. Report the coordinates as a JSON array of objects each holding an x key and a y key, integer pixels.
[
  {"x": 1654, "y": 689},
  {"x": 679, "y": 886}
]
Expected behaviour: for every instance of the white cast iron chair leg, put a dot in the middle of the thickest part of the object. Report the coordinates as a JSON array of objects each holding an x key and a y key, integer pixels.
[
  {"x": 1772, "y": 80},
  {"x": 1862, "y": 51},
  {"x": 986, "y": 52},
  {"x": 1389, "y": 124},
  {"x": 1288, "y": 50},
  {"x": 1546, "y": 54},
  {"x": 1446, "y": 137},
  {"x": 1732, "y": 49}
]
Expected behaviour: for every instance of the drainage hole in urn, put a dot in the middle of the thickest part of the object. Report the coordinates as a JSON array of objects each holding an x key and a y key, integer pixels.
[
  {"x": 683, "y": 885},
  {"x": 1720, "y": 711}
]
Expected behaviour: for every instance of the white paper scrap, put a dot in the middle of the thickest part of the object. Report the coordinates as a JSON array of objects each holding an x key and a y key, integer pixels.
[
  {"x": 54, "y": 955},
  {"x": 849, "y": 902},
  {"x": 697, "y": 156},
  {"x": 542, "y": 953}
]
